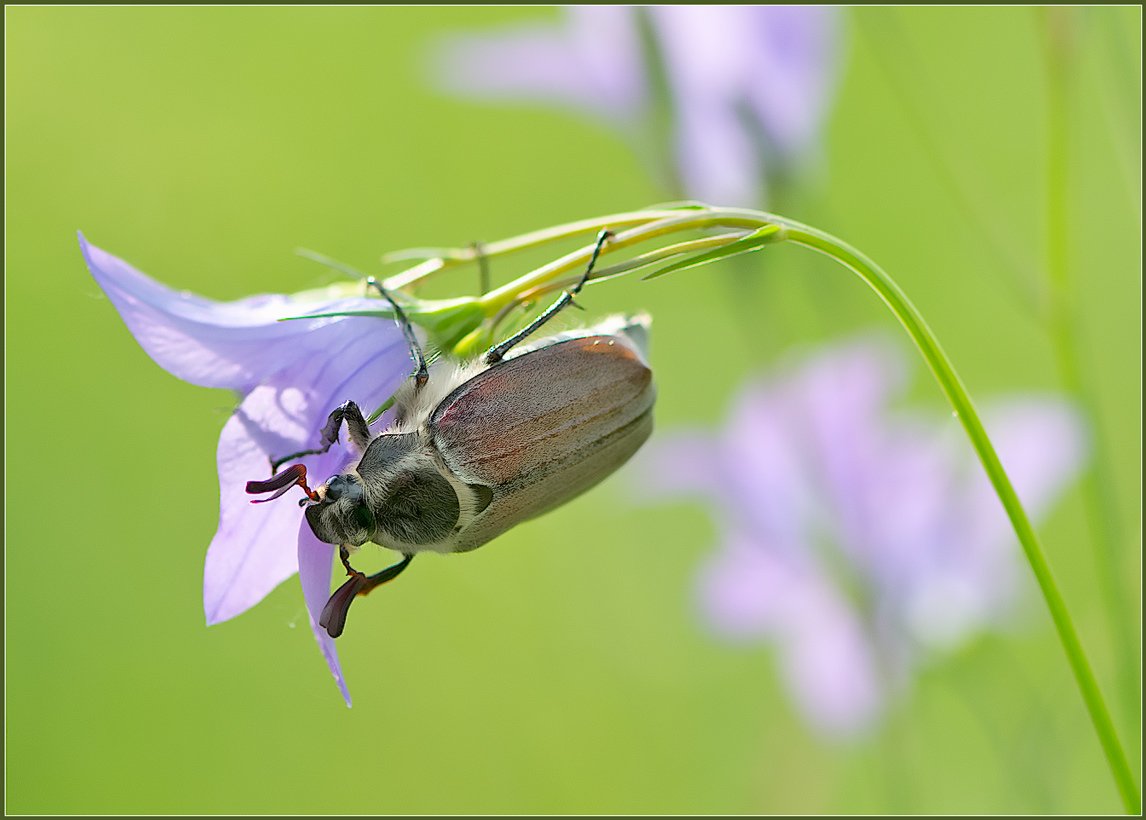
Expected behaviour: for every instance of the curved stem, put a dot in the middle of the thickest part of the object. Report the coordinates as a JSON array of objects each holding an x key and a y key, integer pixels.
[
  {"x": 1060, "y": 30},
  {"x": 437, "y": 259},
  {"x": 655, "y": 224},
  {"x": 521, "y": 294},
  {"x": 669, "y": 223},
  {"x": 956, "y": 393}
]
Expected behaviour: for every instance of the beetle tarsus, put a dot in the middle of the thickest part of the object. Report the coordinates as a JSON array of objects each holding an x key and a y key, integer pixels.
[
  {"x": 333, "y": 617},
  {"x": 344, "y": 557},
  {"x": 355, "y": 423},
  {"x": 496, "y": 353},
  {"x": 421, "y": 373}
]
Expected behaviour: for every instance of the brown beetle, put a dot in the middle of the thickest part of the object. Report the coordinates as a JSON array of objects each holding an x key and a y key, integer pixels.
[{"x": 475, "y": 449}]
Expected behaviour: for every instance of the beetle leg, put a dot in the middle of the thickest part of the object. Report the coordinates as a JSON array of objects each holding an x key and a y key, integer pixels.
[
  {"x": 355, "y": 423},
  {"x": 496, "y": 353},
  {"x": 421, "y": 371},
  {"x": 388, "y": 574},
  {"x": 333, "y": 617}
]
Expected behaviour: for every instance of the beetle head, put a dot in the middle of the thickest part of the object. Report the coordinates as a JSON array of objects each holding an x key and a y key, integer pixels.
[
  {"x": 341, "y": 515},
  {"x": 394, "y": 496}
]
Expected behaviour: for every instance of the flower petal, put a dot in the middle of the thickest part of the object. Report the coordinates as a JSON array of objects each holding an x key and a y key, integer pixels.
[
  {"x": 1042, "y": 443},
  {"x": 973, "y": 559},
  {"x": 826, "y": 494},
  {"x": 829, "y": 664},
  {"x": 250, "y": 554},
  {"x": 746, "y": 81},
  {"x": 232, "y": 345},
  {"x": 707, "y": 53},
  {"x": 794, "y": 69},
  {"x": 752, "y": 589},
  {"x": 744, "y": 587},
  {"x": 683, "y": 463},
  {"x": 592, "y": 62},
  {"x": 314, "y": 562}
]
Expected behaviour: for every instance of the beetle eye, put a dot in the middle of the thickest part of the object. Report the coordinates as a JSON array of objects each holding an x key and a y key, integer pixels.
[
  {"x": 334, "y": 487},
  {"x": 342, "y": 486},
  {"x": 364, "y": 518}
]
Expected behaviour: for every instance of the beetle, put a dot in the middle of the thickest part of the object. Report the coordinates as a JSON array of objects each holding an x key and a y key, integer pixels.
[{"x": 476, "y": 448}]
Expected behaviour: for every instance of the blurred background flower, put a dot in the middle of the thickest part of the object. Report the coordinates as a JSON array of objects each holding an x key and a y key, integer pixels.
[
  {"x": 721, "y": 99},
  {"x": 858, "y": 538},
  {"x": 561, "y": 655}
]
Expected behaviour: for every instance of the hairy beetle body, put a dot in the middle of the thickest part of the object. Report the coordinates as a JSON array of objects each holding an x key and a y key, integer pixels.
[
  {"x": 506, "y": 443},
  {"x": 475, "y": 449}
]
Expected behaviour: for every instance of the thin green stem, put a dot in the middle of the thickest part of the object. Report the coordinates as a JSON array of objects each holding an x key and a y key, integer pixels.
[
  {"x": 657, "y": 224},
  {"x": 956, "y": 394},
  {"x": 1119, "y": 86},
  {"x": 1097, "y": 486},
  {"x": 437, "y": 259},
  {"x": 573, "y": 265},
  {"x": 669, "y": 223}
]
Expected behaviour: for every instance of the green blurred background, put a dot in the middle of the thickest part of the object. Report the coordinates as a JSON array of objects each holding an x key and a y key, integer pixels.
[{"x": 563, "y": 668}]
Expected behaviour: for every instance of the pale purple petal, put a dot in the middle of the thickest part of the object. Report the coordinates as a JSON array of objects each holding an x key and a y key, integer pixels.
[
  {"x": 1042, "y": 444},
  {"x": 838, "y": 403},
  {"x": 232, "y": 345},
  {"x": 907, "y": 492},
  {"x": 828, "y": 495},
  {"x": 293, "y": 374},
  {"x": 314, "y": 562},
  {"x": 751, "y": 589},
  {"x": 592, "y": 62},
  {"x": 708, "y": 52},
  {"x": 251, "y": 552},
  {"x": 830, "y": 665},
  {"x": 717, "y": 159},
  {"x": 743, "y": 81},
  {"x": 764, "y": 481},
  {"x": 973, "y": 563},
  {"x": 795, "y": 70},
  {"x": 684, "y": 463},
  {"x": 740, "y": 74}
]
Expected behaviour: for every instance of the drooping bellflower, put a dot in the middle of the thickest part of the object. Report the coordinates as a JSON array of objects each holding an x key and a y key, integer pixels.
[
  {"x": 289, "y": 375},
  {"x": 859, "y": 540},
  {"x": 746, "y": 88}
]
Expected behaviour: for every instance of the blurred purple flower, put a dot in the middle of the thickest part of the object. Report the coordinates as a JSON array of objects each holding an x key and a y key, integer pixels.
[
  {"x": 856, "y": 538},
  {"x": 748, "y": 86},
  {"x": 289, "y": 375}
]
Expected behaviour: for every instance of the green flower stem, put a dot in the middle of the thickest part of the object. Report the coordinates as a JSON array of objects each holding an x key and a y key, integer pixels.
[
  {"x": 657, "y": 224},
  {"x": 668, "y": 223},
  {"x": 1097, "y": 484},
  {"x": 442, "y": 258},
  {"x": 573, "y": 264},
  {"x": 956, "y": 393}
]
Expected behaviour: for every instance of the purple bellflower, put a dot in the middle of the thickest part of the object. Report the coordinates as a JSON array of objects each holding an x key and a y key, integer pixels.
[
  {"x": 289, "y": 376},
  {"x": 747, "y": 86},
  {"x": 857, "y": 539}
]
